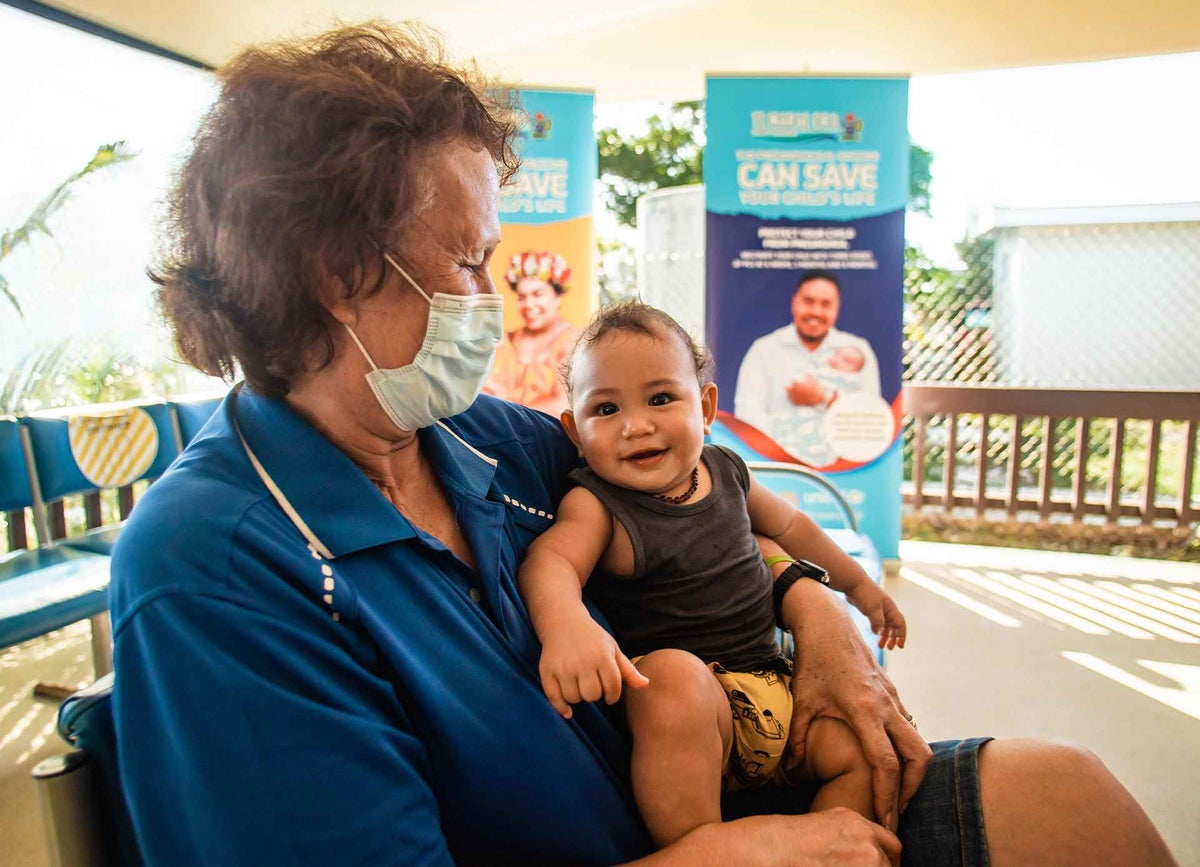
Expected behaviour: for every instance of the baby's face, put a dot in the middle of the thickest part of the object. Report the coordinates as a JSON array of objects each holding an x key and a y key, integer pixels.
[
  {"x": 638, "y": 413},
  {"x": 847, "y": 359}
]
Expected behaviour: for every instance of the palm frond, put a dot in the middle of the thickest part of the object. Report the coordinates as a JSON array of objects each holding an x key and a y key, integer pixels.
[
  {"x": 38, "y": 219},
  {"x": 12, "y": 299}
]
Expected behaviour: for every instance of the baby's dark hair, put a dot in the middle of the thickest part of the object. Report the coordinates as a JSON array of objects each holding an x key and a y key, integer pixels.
[{"x": 638, "y": 318}]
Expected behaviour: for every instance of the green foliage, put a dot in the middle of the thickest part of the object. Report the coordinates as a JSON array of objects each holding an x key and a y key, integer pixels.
[
  {"x": 617, "y": 271},
  {"x": 920, "y": 176},
  {"x": 929, "y": 286},
  {"x": 926, "y": 284},
  {"x": 947, "y": 330},
  {"x": 76, "y": 373},
  {"x": 669, "y": 154},
  {"x": 38, "y": 219}
]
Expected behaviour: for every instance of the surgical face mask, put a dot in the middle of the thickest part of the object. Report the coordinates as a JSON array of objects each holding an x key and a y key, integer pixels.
[{"x": 452, "y": 365}]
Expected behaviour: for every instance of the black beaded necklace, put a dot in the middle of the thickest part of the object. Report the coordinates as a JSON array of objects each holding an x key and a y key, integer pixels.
[{"x": 686, "y": 495}]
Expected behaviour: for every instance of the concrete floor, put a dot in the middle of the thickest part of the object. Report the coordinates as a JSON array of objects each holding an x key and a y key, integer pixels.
[
  {"x": 988, "y": 631},
  {"x": 27, "y": 732}
]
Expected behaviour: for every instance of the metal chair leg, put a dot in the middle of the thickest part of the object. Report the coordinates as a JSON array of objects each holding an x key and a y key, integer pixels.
[
  {"x": 102, "y": 645},
  {"x": 101, "y": 661}
]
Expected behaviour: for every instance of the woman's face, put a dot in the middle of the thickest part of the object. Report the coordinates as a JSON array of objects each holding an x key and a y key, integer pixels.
[
  {"x": 446, "y": 247},
  {"x": 537, "y": 302}
]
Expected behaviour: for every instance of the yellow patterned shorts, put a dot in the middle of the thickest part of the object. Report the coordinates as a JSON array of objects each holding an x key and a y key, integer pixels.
[{"x": 761, "y": 702}]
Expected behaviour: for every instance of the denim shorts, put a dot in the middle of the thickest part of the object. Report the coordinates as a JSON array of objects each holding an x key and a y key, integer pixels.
[{"x": 943, "y": 824}]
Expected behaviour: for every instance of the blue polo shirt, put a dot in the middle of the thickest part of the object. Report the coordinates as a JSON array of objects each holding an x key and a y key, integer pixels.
[{"x": 370, "y": 700}]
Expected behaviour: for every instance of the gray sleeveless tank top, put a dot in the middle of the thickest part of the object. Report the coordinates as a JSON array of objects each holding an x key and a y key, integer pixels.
[{"x": 699, "y": 581}]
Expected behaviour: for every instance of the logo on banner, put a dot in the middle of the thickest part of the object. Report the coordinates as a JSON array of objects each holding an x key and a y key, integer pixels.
[
  {"x": 114, "y": 449},
  {"x": 805, "y": 126},
  {"x": 851, "y": 128},
  {"x": 539, "y": 126}
]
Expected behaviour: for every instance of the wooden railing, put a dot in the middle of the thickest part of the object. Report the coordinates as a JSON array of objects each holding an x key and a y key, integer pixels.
[
  {"x": 1115, "y": 455},
  {"x": 18, "y": 522}
]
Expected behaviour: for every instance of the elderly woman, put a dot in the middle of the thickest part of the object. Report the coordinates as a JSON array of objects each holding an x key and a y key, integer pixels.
[
  {"x": 321, "y": 654},
  {"x": 529, "y": 360}
]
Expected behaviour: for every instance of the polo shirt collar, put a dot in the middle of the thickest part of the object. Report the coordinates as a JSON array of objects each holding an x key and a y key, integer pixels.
[
  {"x": 329, "y": 493},
  {"x": 458, "y": 461}
]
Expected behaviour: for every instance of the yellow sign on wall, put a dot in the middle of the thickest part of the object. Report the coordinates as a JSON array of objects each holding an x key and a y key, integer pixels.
[{"x": 113, "y": 449}]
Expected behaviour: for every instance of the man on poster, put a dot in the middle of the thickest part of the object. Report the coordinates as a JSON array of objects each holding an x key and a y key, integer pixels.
[{"x": 791, "y": 376}]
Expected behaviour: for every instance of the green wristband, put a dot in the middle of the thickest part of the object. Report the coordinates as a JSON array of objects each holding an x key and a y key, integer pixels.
[{"x": 778, "y": 558}]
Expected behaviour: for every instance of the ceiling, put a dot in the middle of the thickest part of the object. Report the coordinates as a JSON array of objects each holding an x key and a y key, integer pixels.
[{"x": 660, "y": 49}]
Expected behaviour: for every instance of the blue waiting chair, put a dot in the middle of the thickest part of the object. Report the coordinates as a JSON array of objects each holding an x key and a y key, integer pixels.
[
  {"x": 51, "y": 586},
  {"x": 101, "y": 448},
  {"x": 816, "y": 495},
  {"x": 192, "y": 415}
]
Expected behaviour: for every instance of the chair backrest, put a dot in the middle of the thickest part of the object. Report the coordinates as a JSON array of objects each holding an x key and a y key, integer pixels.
[
  {"x": 808, "y": 490},
  {"x": 819, "y": 498},
  {"x": 193, "y": 415},
  {"x": 100, "y": 447},
  {"x": 15, "y": 492}
]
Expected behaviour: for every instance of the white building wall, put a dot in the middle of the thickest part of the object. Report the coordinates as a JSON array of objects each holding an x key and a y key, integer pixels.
[
  {"x": 1098, "y": 306},
  {"x": 670, "y": 262}
]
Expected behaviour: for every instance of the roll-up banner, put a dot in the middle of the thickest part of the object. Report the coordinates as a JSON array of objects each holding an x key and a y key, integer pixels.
[
  {"x": 806, "y": 183},
  {"x": 544, "y": 265}
]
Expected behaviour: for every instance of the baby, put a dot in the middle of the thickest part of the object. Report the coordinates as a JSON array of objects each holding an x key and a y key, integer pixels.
[
  {"x": 661, "y": 527},
  {"x": 847, "y": 359},
  {"x": 843, "y": 369}
]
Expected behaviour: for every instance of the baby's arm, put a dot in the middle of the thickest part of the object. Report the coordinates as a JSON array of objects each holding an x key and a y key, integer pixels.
[
  {"x": 580, "y": 661},
  {"x": 800, "y": 536}
]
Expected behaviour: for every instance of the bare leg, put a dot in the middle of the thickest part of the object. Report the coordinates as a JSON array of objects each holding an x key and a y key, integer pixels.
[
  {"x": 834, "y": 757},
  {"x": 681, "y": 726},
  {"x": 1054, "y": 802}
]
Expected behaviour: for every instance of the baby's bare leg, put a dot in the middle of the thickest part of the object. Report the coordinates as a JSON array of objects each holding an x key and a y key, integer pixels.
[
  {"x": 681, "y": 726},
  {"x": 834, "y": 757}
]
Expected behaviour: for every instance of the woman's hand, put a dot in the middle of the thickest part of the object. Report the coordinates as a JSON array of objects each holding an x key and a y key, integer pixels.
[
  {"x": 836, "y": 675},
  {"x": 581, "y": 662},
  {"x": 886, "y": 620},
  {"x": 831, "y": 838}
]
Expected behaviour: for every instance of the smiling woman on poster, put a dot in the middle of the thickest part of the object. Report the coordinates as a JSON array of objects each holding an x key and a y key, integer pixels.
[
  {"x": 528, "y": 361},
  {"x": 791, "y": 376}
]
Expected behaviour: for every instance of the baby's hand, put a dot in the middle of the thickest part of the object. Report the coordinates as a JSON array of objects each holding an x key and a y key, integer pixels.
[
  {"x": 581, "y": 662},
  {"x": 886, "y": 620}
]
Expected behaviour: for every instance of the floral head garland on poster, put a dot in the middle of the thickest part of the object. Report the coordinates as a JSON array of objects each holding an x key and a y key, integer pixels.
[{"x": 547, "y": 267}]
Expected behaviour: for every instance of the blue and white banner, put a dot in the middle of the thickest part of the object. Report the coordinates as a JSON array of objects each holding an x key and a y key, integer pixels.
[
  {"x": 545, "y": 264},
  {"x": 806, "y": 184}
]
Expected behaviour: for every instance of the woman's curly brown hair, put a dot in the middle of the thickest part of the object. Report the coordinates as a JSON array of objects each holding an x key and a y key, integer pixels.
[{"x": 308, "y": 159}]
